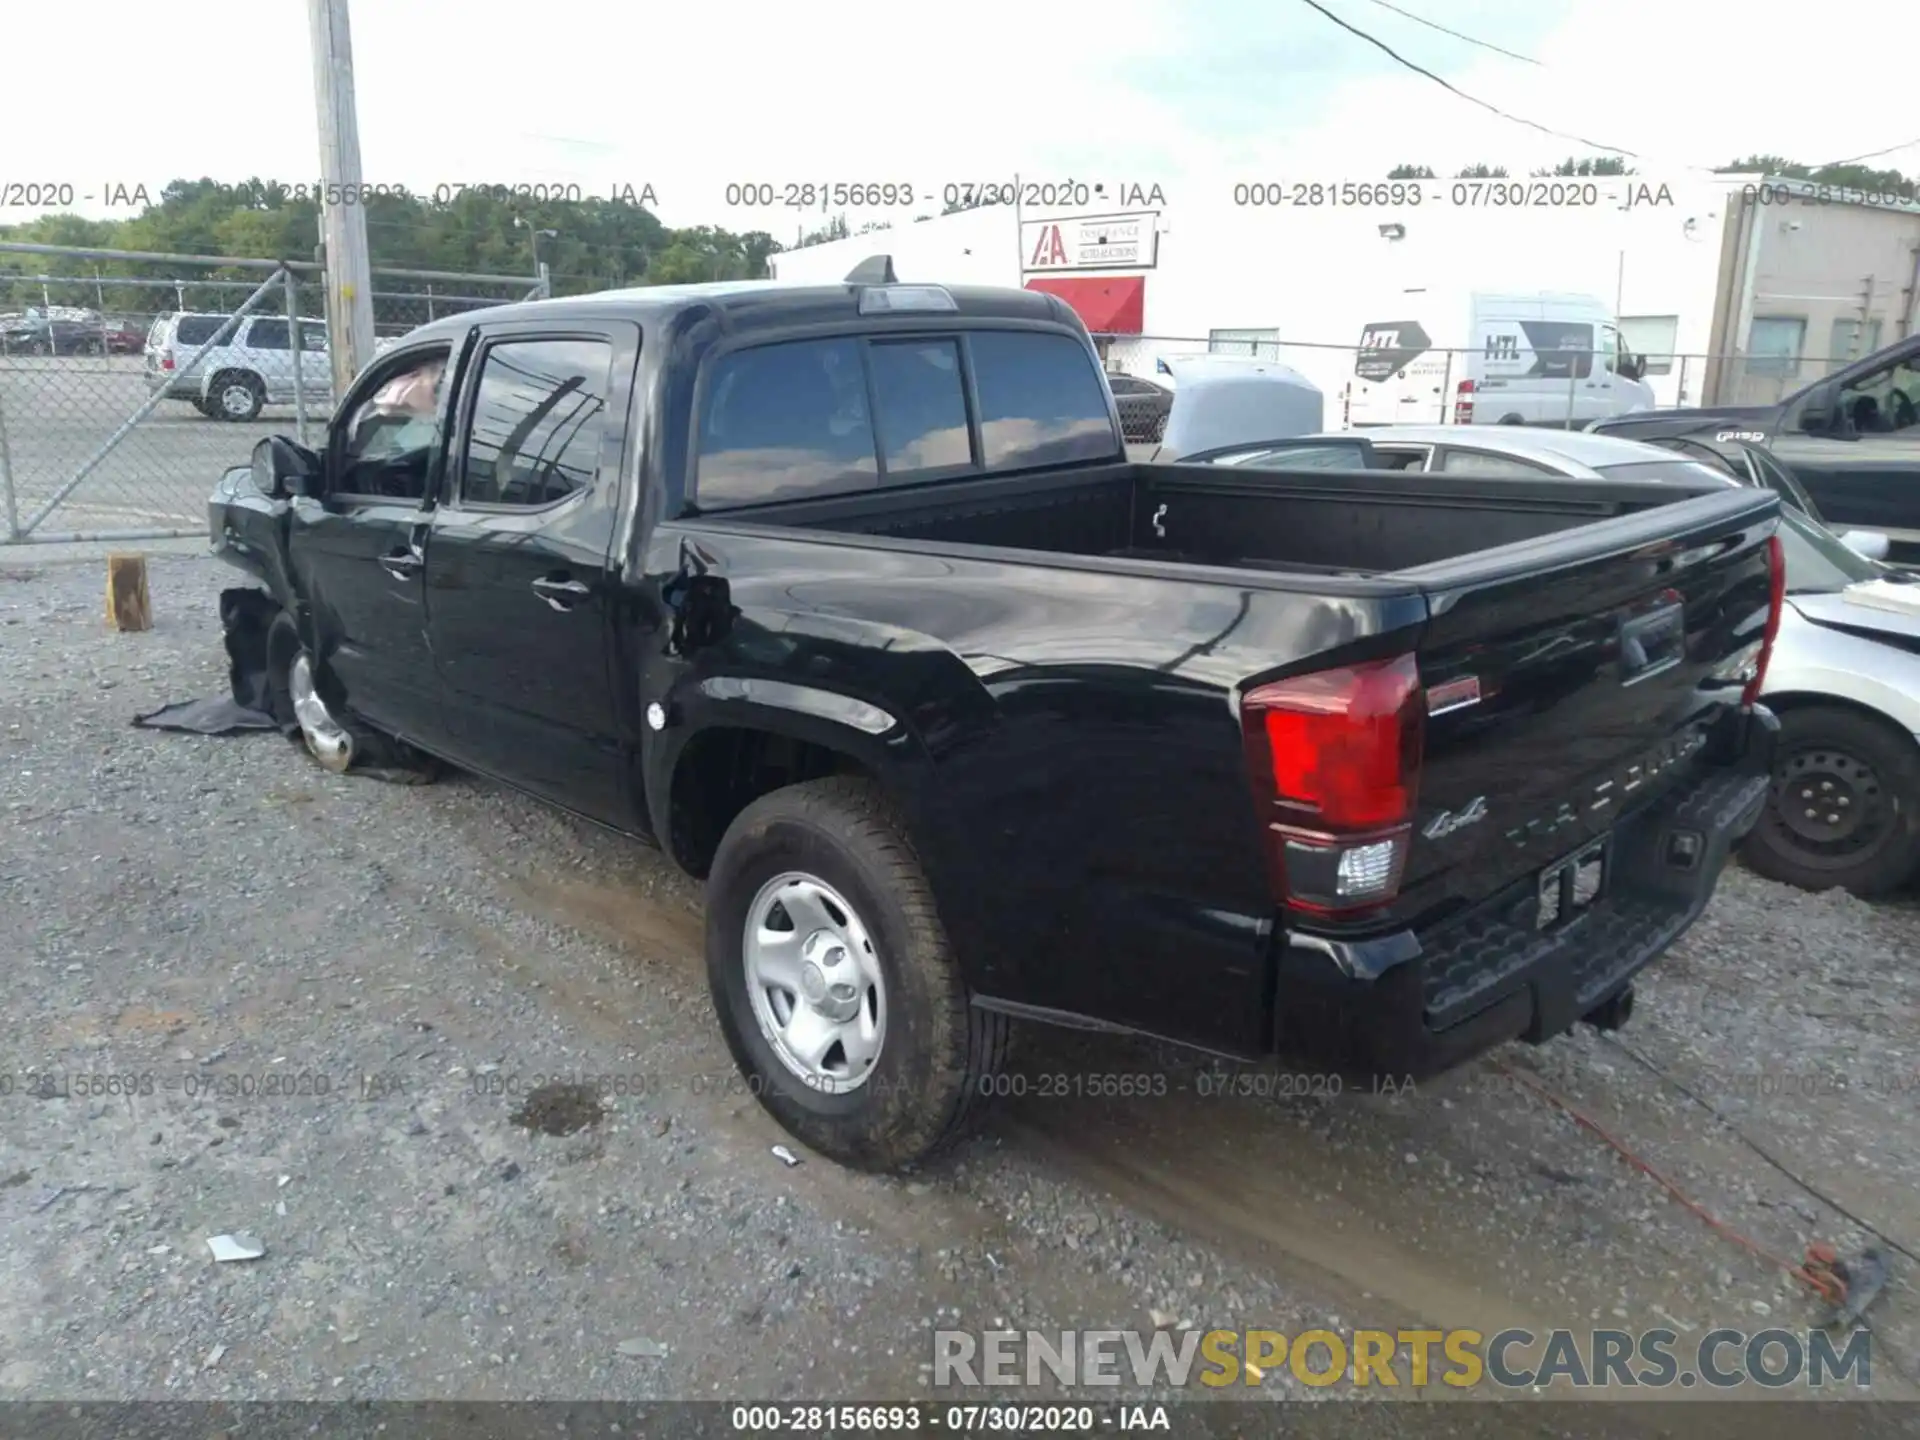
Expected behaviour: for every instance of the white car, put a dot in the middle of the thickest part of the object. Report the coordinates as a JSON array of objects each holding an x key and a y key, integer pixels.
[{"x": 1844, "y": 676}]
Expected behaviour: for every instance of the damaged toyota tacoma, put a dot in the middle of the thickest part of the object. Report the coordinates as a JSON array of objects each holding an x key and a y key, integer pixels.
[{"x": 847, "y": 597}]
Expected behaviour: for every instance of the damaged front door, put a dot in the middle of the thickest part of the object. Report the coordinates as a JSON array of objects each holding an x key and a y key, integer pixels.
[{"x": 361, "y": 546}]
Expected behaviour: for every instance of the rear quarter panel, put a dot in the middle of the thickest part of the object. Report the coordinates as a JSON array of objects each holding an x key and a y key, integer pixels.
[{"x": 1068, "y": 754}]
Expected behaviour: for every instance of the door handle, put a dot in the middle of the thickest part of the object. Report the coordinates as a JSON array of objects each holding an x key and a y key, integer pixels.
[
  {"x": 561, "y": 591},
  {"x": 401, "y": 564}
]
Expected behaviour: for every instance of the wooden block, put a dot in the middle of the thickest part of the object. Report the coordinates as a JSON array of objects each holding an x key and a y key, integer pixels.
[{"x": 127, "y": 605}]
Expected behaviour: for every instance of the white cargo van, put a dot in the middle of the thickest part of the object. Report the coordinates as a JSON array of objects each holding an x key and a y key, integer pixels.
[{"x": 1494, "y": 359}]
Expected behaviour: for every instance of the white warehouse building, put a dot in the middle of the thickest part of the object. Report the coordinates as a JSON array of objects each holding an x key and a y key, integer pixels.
[{"x": 1736, "y": 288}]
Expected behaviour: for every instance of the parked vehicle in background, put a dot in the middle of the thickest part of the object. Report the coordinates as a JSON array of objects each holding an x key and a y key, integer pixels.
[
  {"x": 39, "y": 333},
  {"x": 1852, "y": 438},
  {"x": 1495, "y": 359},
  {"x": 252, "y": 366},
  {"x": 847, "y": 596},
  {"x": 123, "y": 337},
  {"x": 1844, "y": 808},
  {"x": 1143, "y": 407}
]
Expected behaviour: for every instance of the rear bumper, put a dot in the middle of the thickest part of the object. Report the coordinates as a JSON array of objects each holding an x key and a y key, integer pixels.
[{"x": 1419, "y": 1003}]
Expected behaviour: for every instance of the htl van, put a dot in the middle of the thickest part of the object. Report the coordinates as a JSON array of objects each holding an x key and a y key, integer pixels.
[{"x": 1495, "y": 359}]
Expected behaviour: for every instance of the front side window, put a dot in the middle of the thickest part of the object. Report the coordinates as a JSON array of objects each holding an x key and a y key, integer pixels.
[
  {"x": 1885, "y": 401},
  {"x": 539, "y": 415},
  {"x": 391, "y": 436},
  {"x": 268, "y": 335}
]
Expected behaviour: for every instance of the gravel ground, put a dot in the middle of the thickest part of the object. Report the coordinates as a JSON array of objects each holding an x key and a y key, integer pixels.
[{"x": 332, "y": 996}]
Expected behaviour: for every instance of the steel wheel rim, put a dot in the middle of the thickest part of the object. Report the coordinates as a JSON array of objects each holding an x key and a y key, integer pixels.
[
  {"x": 1830, "y": 807},
  {"x": 331, "y": 745},
  {"x": 814, "y": 982},
  {"x": 236, "y": 399}
]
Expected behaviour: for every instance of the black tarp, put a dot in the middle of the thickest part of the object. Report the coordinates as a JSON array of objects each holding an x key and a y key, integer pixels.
[{"x": 245, "y": 617}]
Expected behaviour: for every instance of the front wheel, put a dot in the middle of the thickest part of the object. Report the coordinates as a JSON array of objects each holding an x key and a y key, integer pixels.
[
  {"x": 833, "y": 981},
  {"x": 1845, "y": 806}
]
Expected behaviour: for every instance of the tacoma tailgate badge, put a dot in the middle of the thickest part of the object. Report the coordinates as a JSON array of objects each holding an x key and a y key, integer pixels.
[{"x": 1448, "y": 821}]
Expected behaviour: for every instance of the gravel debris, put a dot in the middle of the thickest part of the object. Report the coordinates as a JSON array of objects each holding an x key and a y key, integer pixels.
[{"x": 371, "y": 981}]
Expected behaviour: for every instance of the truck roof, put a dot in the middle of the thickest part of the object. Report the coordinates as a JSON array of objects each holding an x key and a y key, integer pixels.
[{"x": 765, "y": 304}]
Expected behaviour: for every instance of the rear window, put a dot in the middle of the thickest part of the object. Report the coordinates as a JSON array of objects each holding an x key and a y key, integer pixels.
[
  {"x": 1042, "y": 401},
  {"x": 1670, "y": 472},
  {"x": 810, "y": 418},
  {"x": 197, "y": 329}
]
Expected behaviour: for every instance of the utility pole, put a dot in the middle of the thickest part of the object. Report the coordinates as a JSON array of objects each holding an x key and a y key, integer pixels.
[{"x": 343, "y": 220}]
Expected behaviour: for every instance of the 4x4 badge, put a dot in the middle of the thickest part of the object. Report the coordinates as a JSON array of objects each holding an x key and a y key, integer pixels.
[{"x": 1448, "y": 821}]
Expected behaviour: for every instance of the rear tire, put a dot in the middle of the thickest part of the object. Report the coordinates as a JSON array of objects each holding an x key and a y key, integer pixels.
[
  {"x": 1512, "y": 420},
  {"x": 236, "y": 396},
  {"x": 1845, "y": 805},
  {"x": 866, "y": 937}
]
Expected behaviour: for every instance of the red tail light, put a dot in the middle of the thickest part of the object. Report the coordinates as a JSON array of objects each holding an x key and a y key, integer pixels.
[
  {"x": 1463, "y": 403},
  {"x": 1776, "y": 601},
  {"x": 1335, "y": 763},
  {"x": 166, "y": 360}
]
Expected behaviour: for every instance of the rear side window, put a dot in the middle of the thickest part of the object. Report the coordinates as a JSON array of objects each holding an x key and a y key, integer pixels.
[
  {"x": 1042, "y": 401},
  {"x": 784, "y": 422},
  {"x": 196, "y": 330},
  {"x": 538, "y": 419},
  {"x": 1479, "y": 462},
  {"x": 268, "y": 335}
]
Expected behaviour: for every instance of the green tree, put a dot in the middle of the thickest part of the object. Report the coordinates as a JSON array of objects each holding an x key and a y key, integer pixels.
[
  {"x": 1589, "y": 166},
  {"x": 1481, "y": 172},
  {"x": 1411, "y": 172},
  {"x": 1853, "y": 177}
]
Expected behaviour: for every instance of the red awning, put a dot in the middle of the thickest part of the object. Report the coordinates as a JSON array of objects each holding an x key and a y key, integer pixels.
[{"x": 1108, "y": 304}]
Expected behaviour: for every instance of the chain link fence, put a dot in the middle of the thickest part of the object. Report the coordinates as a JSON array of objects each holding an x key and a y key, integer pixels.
[
  {"x": 129, "y": 381},
  {"x": 1427, "y": 390}
]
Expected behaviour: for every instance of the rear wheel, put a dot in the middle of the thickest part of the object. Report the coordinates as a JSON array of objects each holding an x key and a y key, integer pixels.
[
  {"x": 1845, "y": 807},
  {"x": 236, "y": 395},
  {"x": 835, "y": 988}
]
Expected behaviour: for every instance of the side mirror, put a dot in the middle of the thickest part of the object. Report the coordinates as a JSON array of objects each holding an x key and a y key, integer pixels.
[
  {"x": 1870, "y": 543},
  {"x": 1819, "y": 413},
  {"x": 282, "y": 468}
]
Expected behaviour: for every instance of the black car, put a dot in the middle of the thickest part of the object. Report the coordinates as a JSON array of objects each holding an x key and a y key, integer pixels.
[
  {"x": 37, "y": 335},
  {"x": 1143, "y": 407},
  {"x": 848, "y": 597},
  {"x": 1852, "y": 438}
]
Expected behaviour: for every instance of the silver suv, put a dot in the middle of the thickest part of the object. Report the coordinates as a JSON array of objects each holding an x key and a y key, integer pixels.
[{"x": 251, "y": 367}]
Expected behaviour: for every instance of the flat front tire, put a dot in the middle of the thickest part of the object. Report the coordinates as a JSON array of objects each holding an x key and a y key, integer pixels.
[{"x": 833, "y": 981}]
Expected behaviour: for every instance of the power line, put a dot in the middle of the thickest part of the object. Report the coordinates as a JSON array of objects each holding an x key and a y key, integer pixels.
[
  {"x": 1484, "y": 45},
  {"x": 1470, "y": 99},
  {"x": 1871, "y": 154}
]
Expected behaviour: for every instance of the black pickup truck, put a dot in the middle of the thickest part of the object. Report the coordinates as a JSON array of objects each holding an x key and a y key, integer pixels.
[{"x": 846, "y": 597}]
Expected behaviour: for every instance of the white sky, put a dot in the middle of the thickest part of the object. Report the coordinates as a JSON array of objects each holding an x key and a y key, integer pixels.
[{"x": 1191, "y": 94}]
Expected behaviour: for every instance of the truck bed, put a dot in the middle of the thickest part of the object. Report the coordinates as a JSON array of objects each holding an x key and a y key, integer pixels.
[{"x": 1313, "y": 523}]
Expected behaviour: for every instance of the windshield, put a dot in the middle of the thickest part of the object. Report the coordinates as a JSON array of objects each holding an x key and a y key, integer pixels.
[{"x": 1817, "y": 562}]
